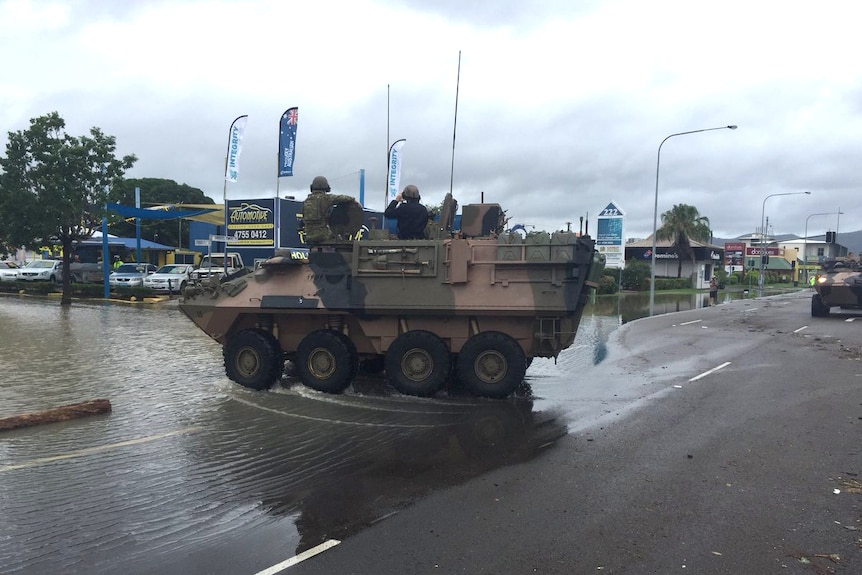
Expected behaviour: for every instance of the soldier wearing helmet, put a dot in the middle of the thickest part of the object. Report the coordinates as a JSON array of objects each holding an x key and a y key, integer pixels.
[
  {"x": 411, "y": 215},
  {"x": 315, "y": 210}
]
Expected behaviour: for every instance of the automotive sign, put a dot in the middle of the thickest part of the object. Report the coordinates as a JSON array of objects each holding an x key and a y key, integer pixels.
[{"x": 251, "y": 222}]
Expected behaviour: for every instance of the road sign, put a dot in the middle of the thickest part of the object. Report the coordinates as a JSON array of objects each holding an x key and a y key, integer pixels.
[
  {"x": 206, "y": 243},
  {"x": 223, "y": 238}
]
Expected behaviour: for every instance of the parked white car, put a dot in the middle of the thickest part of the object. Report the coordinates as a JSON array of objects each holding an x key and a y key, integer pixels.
[
  {"x": 8, "y": 271},
  {"x": 42, "y": 270},
  {"x": 130, "y": 275},
  {"x": 171, "y": 278}
]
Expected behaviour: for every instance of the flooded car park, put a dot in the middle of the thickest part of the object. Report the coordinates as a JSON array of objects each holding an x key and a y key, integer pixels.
[{"x": 190, "y": 468}]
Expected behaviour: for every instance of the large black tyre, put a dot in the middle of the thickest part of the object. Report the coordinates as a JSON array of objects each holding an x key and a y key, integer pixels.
[
  {"x": 418, "y": 363},
  {"x": 326, "y": 361},
  {"x": 491, "y": 364},
  {"x": 818, "y": 308},
  {"x": 253, "y": 359}
]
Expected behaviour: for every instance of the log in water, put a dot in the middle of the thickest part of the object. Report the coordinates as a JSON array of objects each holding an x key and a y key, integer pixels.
[{"x": 62, "y": 413}]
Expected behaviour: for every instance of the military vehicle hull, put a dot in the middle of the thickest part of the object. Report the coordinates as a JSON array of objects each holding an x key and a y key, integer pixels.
[
  {"x": 839, "y": 284},
  {"x": 428, "y": 311}
]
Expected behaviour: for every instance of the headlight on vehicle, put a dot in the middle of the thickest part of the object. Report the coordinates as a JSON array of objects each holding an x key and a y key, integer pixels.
[{"x": 821, "y": 279}]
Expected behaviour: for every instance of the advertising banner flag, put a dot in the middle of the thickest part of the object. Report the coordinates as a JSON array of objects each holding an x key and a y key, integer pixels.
[
  {"x": 234, "y": 148},
  {"x": 287, "y": 141},
  {"x": 394, "y": 179}
]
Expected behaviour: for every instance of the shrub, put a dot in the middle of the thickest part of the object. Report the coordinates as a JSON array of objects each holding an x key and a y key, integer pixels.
[
  {"x": 608, "y": 284},
  {"x": 672, "y": 283},
  {"x": 636, "y": 275}
]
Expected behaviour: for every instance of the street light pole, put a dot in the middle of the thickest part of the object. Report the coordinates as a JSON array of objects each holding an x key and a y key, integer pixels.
[
  {"x": 655, "y": 207},
  {"x": 763, "y": 234},
  {"x": 805, "y": 240}
]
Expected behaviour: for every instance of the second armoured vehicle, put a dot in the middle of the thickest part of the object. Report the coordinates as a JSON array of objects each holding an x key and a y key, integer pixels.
[
  {"x": 839, "y": 284},
  {"x": 473, "y": 305}
]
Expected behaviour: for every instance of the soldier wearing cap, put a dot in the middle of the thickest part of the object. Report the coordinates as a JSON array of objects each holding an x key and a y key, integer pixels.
[
  {"x": 315, "y": 210},
  {"x": 411, "y": 215}
]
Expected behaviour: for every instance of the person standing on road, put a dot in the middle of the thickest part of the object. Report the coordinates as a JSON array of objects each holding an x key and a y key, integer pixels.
[
  {"x": 713, "y": 290},
  {"x": 117, "y": 262},
  {"x": 411, "y": 215}
]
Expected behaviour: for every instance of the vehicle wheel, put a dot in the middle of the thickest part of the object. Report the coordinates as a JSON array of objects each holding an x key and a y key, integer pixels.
[
  {"x": 491, "y": 364},
  {"x": 818, "y": 308},
  {"x": 53, "y": 279},
  {"x": 326, "y": 361},
  {"x": 418, "y": 363},
  {"x": 253, "y": 359}
]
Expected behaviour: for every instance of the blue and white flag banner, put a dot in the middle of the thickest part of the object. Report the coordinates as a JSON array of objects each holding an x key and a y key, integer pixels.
[
  {"x": 287, "y": 141},
  {"x": 234, "y": 148},
  {"x": 394, "y": 179}
]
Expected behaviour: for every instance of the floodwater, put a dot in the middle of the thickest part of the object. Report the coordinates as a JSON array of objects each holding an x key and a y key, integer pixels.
[{"x": 188, "y": 462}]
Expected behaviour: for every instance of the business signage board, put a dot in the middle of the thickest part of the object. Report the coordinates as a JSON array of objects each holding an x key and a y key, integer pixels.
[{"x": 610, "y": 236}]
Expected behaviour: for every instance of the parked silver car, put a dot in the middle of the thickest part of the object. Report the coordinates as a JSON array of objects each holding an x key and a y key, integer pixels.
[
  {"x": 171, "y": 278},
  {"x": 8, "y": 271},
  {"x": 42, "y": 270},
  {"x": 130, "y": 275}
]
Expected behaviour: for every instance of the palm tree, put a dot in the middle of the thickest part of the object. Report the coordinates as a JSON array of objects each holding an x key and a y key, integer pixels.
[{"x": 682, "y": 224}]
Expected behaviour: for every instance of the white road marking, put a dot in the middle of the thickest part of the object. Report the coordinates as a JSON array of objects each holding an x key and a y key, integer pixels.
[
  {"x": 849, "y": 319},
  {"x": 690, "y": 322},
  {"x": 307, "y": 554},
  {"x": 800, "y": 329},
  {"x": 713, "y": 370},
  {"x": 98, "y": 449}
]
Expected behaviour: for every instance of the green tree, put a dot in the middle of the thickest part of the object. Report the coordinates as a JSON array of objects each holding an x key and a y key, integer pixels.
[
  {"x": 155, "y": 192},
  {"x": 53, "y": 186},
  {"x": 682, "y": 224}
]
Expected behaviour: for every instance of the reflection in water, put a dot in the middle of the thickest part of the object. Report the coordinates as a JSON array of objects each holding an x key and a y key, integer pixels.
[{"x": 339, "y": 463}]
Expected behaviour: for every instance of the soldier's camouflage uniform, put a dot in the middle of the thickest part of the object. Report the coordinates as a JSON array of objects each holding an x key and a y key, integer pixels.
[{"x": 315, "y": 210}]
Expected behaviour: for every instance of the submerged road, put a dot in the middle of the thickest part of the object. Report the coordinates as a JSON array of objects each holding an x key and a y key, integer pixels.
[{"x": 743, "y": 456}]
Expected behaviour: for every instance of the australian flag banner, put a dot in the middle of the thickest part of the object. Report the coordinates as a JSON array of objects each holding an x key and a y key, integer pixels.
[
  {"x": 234, "y": 148},
  {"x": 287, "y": 141}
]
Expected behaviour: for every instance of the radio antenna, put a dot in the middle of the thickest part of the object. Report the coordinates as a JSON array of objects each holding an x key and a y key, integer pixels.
[{"x": 455, "y": 124}]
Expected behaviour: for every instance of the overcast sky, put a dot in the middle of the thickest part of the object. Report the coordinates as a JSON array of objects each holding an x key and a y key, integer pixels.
[{"x": 562, "y": 104}]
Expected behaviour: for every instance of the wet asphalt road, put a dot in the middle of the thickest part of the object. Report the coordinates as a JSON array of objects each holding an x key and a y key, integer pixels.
[
  {"x": 733, "y": 472},
  {"x": 753, "y": 468}
]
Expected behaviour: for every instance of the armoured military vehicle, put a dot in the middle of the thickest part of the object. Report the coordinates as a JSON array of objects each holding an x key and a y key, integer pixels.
[
  {"x": 473, "y": 305},
  {"x": 839, "y": 284}
]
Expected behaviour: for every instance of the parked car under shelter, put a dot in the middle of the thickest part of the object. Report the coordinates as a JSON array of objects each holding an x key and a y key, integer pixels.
[
  {"x": 130, "y": 275},
  {"x": 8, "y": 271},
  {"x": 42, "y": 270},
  {"x": 171, "y": 278}
]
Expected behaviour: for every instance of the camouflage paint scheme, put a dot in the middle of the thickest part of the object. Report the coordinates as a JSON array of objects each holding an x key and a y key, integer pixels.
[
  {"x": 374, "y": 290},
  {"x": 839, "y": 284}
]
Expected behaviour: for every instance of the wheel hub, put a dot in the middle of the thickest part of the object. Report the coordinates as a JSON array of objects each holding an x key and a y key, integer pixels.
[
  {"x": 321, "y": 363},
  {"x": 247, "y": 362},
  {"x": 417, "y": 364},
  {"x": 491, "y": 366}
]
